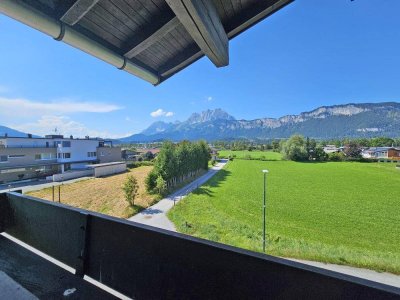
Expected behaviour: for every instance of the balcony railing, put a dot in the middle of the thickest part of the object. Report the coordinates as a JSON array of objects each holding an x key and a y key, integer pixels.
[
  {"x": 143, "y": 262},
  {"x": 27, "y": 146}
]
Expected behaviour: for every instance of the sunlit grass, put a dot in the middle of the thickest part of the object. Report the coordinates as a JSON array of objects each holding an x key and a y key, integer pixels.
[
  {"x": 265, "y": 155},
  {"x": 338, "y": 212}
]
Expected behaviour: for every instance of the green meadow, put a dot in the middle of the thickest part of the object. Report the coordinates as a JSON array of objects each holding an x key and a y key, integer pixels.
[
  {"x": 339, "y": 212},
  {"x": 265, "y": 155}
]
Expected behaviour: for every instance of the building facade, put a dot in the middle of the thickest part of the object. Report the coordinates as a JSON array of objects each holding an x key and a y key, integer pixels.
[
  {"x": 28, "y": 157},
  {"x": 381, "y": 153}
]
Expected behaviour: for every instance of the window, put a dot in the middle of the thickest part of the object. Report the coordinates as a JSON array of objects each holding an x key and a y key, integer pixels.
[
  {"x": 66, "y": 144},
  {"x": 91, "y": 154},
  {"x": 16, "y": 156},
  {"x": 59, "y": 155},
  {"x": 67, "y": 155},
  {"x": 43, "y": 156},
  {"x": 3, "y": 158}
]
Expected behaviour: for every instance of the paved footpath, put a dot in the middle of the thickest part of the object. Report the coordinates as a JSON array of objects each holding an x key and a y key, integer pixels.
[
  {"x": 156, "y": 215},
  {"x": 382, "y": 277}
]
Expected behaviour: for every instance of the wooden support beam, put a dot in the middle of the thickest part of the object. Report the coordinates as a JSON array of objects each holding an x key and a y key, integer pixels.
[
  {"x": 77, "y": 11},
  {"x": 157, "y": 35},
  {"x": 252, "y": 16},
  {"x": 201, "y": 20}
]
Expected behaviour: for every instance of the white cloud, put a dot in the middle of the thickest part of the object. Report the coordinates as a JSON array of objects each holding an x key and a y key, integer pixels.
[
  {"x": 160, "y": 113},
  {"x": 209, "y": 98},
  {"x": 27, "y": 107},
  {"x": 127, "y": 119},
  {"x": 66, "y": 126}
]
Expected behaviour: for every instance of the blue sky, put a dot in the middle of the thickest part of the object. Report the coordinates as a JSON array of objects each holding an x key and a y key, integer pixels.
[{"x": 311, "y": 53}]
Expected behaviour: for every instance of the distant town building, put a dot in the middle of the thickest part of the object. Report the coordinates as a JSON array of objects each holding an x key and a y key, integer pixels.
[
  {"x": 29, "y": 157},
  {"x": 331, "y": 149},
  {"x": 139, "y": 154},
  {"x": 381, "y": 153}
]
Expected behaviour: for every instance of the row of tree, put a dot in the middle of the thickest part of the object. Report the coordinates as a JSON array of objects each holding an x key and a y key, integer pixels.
[
  {"x": 276, "y": 144},
  {"x": 298, "y": 148},
  {"x": 176, "y": 163}
]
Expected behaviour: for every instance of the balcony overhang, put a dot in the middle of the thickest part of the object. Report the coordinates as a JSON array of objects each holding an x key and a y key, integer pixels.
[{"x": 149, "y": 39}]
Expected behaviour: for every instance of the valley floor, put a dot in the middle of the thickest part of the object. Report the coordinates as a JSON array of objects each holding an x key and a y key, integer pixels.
[{"x": 342, "y": 213}]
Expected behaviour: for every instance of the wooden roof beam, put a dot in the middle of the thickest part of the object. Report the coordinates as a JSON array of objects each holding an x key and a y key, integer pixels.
[
  {"x": 256, "y": 14},
  {"x": 77, "y": 11},
  {"x": 201, "y": 20},
  {"x": 156, "y": 36}
]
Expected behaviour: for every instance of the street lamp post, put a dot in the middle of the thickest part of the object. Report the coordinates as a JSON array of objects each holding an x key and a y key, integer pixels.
[{"x": 264, "y": 202}]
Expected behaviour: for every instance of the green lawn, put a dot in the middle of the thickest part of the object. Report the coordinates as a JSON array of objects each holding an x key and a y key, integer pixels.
[
  {"x": 266, "y": 155},
  {"x": 344, "y": 213}
]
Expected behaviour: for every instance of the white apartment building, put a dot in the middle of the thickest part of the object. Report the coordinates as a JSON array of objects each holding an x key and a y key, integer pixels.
[{"x": 29, "y": 157}]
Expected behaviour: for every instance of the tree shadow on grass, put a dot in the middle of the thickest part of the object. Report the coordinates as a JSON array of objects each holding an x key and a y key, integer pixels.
[
  {"x": 213, "y": 182},
  {"x": 151, "y": 211}
]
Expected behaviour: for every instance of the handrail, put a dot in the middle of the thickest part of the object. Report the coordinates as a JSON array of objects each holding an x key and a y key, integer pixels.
[{"x": 144, "y": 262}]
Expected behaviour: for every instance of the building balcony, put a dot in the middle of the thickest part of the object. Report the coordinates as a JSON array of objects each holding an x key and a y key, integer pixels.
[
  {"x": 28, "y": 146},
  {"x": 143, "y": 262}
]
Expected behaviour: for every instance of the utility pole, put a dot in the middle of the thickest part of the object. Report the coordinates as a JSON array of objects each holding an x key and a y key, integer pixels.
[{"x": 264, "y": 205}]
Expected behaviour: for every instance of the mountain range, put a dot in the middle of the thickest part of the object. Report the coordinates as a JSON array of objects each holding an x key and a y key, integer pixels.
[
  {"x": 11, "y": 132},
  {"x": 326, "y": 122}
]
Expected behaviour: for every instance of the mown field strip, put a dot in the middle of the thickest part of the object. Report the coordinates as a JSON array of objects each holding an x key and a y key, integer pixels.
[{"x": 339, "y": 212}]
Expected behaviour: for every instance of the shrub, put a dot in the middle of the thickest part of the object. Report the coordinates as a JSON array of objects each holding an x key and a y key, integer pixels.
[
  {"x": 161, "y": 185},
  {"x": 137, "y": 164},
  {"x": 150, "y": 181},
  {"x": 320, "y": 154},
  {"x": 336, "y": 156},
  {"x": 247, "y": 156},
  {"x": 130, "y": 188}
]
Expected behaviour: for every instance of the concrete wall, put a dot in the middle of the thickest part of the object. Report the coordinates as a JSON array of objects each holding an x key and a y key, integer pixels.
[
  {"x": 109, "y": 170},
  {"x": 28, "y": 157},
  {"x": 70, "y": 175},
  {"x": 106, "y": 154}
]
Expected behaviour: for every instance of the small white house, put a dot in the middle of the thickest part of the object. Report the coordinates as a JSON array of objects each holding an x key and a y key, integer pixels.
[{"x": 331, "y": 149}]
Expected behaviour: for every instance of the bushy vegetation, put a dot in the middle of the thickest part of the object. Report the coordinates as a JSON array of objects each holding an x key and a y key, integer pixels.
[
  {"x": 176, "y": 163},
  {"x": 342, "y": 213},
  {"x": 297, "y": 148},
  {"x": 130, "y": 188},
  {"x": 137, "y": 164},
  {"x": 275, "y": 144}
]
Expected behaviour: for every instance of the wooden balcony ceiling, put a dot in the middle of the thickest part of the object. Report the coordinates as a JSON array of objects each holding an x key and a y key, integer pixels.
[{"x": 162, "y": 36}]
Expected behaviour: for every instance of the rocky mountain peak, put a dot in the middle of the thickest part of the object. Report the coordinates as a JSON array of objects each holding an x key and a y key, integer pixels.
[{"x": 209, "y": 115}]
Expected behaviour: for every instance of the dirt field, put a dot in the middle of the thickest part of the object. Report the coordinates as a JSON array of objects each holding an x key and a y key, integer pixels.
[{"x": 103, "y": 195}]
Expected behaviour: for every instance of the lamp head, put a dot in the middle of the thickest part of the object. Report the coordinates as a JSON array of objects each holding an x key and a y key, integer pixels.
[{"x": 265, "y": 171}]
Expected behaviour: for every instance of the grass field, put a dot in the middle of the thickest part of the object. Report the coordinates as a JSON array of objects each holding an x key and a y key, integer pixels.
[
  {"x": 103, "y": 195},
  {"x": 343, "y": 213},
  {"x": 266, "y": 155}
]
